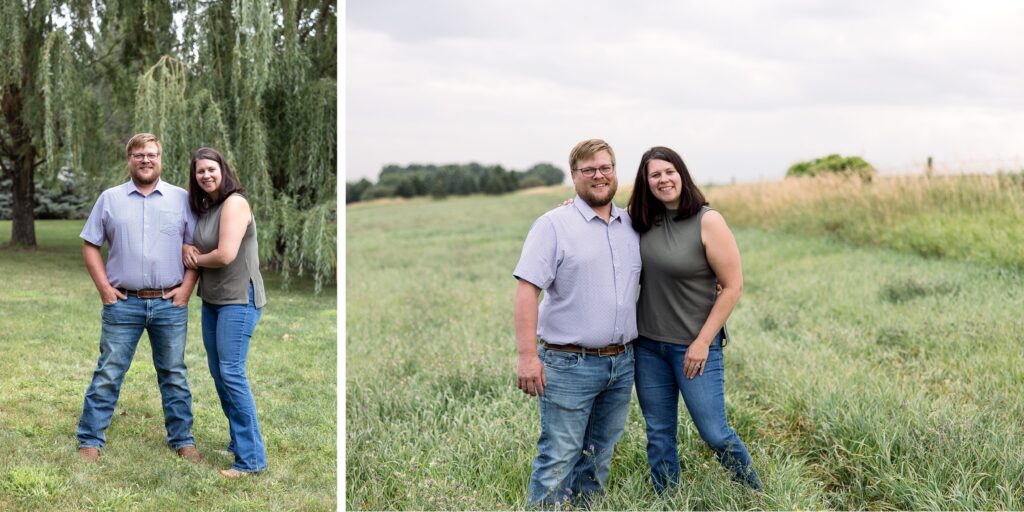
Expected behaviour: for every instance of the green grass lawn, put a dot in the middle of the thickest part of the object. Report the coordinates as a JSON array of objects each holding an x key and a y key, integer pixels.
[
  {"x": 859, "y": 378},
  {"x": 49, "y": 343}
]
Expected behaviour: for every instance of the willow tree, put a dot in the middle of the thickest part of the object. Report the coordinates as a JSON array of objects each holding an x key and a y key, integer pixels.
[
  {"x": 39, "y": 80},
  {"x": 64, "y": 68},
  {"x": 250, "y": 80}
]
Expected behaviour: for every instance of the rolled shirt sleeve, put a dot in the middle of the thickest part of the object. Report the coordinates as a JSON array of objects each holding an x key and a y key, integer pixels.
[
  {"x": 538, "y": 262},
  {"x": 93, "y": 231},
  {"x": 190, "y": 224}
]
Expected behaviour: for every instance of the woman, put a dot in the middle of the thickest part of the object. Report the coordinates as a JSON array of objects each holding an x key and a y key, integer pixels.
[
  {"x": 231, "y": 287},
  {"x": 687, "y": 251}
]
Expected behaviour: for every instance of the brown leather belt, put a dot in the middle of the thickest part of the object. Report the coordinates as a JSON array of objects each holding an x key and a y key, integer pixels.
[
  {"x": 610, "y": 350},
  {"x": 148, "y": 294}
]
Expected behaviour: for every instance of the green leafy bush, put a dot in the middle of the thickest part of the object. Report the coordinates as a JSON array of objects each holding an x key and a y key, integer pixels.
[{"x": 835, "y": 164}]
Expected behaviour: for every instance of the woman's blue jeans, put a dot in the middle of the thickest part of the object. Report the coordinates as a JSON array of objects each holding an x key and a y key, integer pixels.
[
  {"x": 227, "y": 330},
  {"x": 659, "y": 381}
]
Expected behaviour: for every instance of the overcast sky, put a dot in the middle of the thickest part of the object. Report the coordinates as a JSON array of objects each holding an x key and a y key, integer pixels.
[{"x": 741, "y": 89}]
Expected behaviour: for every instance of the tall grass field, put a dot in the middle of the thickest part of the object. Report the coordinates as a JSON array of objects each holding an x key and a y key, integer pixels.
[
  {"x": 49, "y": 343},
  {"x": 971, "y": 218},
  {"x": 866, "y": 370}
]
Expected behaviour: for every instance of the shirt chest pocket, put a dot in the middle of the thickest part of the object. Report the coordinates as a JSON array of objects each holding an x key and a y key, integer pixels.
[{"x": 170, "y": 222}]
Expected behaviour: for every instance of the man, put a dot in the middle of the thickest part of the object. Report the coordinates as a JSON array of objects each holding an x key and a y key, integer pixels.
[
  {"x": 143, "y": 286},
  {"x": 586, "y": 258}
]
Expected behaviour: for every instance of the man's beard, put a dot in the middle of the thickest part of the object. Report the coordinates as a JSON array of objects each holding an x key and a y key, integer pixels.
[
  {"x": 595, "y": 201},
  {"x": 142, "y": 177}
]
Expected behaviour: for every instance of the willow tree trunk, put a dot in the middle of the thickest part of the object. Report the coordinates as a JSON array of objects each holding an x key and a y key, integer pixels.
[
  {"x": 23, "y": 218},
  {"x": 23, "y": 154}
]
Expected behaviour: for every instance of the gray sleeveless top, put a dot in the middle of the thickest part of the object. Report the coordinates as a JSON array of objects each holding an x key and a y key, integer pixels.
[
  {"x": 230, "y": 284},
  {"x": 677, "y": 285}
]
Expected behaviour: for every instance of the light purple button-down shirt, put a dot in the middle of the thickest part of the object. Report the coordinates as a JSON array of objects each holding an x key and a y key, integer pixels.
[
  {"x": 589, "y": 271},
  {"x": 144, "y": 234}
]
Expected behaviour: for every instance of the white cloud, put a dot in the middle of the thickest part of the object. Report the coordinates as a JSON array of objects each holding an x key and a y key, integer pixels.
[{"x": 740, "y": 89}]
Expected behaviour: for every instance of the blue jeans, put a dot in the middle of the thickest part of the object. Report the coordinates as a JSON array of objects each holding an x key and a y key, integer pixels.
[
  {"x": 582, "y": 415},
  {"x": 659, "y": 380},
  {"x": 227, "y": 330},
  {"x": 123, "y": 323}
]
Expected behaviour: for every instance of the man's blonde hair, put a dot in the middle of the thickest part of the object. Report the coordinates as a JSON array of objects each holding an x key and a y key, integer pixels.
[
  {"x": 587, "y": 149},
  {"x": 141, "y": 139}
]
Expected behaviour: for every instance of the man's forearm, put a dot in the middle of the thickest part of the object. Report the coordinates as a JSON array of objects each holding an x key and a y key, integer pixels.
[
  {"x": 526, "y": 319},
  {"x": 190, "y": 278},
  {"x": 94, "y": 264},
  {"x": 529, "y": 369}
]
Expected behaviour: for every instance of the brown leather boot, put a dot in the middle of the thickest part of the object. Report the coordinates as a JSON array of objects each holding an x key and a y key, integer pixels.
[
  {"x": 189, "y": 453},
  {"x": 89, "y": 454},
  {"x": 234, "y": 473}
]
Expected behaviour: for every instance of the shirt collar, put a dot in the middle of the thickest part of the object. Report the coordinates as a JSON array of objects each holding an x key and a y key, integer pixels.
[
  {"x": 589, "y": 213},
  {"x": 131, "y": 188}
]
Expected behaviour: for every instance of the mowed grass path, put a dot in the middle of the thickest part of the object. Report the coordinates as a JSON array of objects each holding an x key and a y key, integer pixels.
[
  {"x": 49, "y": 343},
  {"x": 859, "y": 378}
]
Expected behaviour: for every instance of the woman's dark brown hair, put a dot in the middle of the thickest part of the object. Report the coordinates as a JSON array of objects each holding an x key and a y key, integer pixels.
[
  {"x": 645, "y": 209},
  {"x": 198, "y": 199}
]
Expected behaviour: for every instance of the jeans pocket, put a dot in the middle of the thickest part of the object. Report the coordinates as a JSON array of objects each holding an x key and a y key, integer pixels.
[
  {"x": 176, "y": 315},
  {"x": 715, "y": 353},
  {"x": 558, "y": 360},
  {"x": 108, "y": 309}
]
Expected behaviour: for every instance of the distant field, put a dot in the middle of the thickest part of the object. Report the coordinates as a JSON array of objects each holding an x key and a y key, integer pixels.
[
  {"x": 969, "y": 218},
  {"x": 859, "y": 377},
  {"x": 49, "y": 342}
]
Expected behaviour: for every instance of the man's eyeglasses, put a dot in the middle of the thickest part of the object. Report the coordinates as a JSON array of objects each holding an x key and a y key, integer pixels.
[
  {"x": 590, "y": 172},
  {"x": 138, "y": 157}
]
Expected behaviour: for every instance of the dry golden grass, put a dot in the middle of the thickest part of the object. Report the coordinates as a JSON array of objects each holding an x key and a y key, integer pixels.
[{"x": 971, "y": 217}]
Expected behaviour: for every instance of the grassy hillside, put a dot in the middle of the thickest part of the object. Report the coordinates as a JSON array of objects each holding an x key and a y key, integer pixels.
[
  {"x": 49, "y": 343},
  {"x": 971, "y": 218},
  {"x": 858, "y": 377}
]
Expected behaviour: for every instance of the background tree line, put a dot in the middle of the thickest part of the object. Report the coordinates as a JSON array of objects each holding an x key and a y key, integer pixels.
[
  {"x": 255, "y": 79},
  {"x": 451, "y": 179}
]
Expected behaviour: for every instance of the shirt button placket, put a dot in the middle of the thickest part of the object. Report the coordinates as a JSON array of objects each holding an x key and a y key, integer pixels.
[
  {"x": 616, "y": 280},
  {"x": 145, "y": 247}
]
